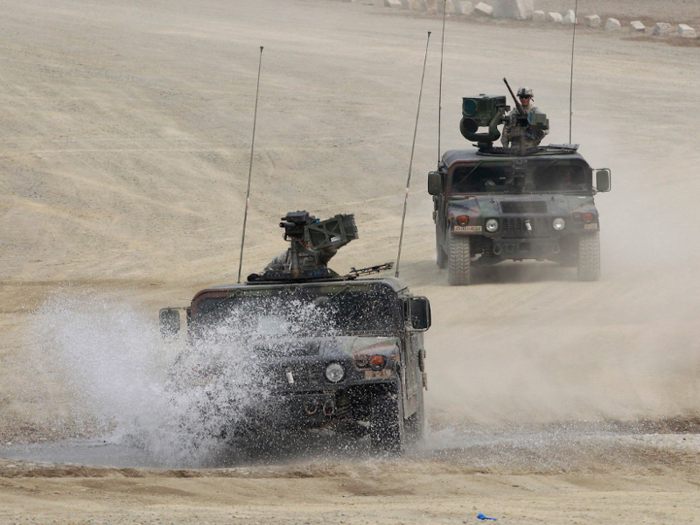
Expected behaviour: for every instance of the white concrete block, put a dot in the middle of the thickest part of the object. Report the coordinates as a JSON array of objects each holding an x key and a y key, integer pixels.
[
  {"x": 685, "y": 31},
  {"x": 570, "y": 17},
  {"x": 513, "y": 9},
  {"x": 662, "y": 28},
  {"x": 465, "y": 8},
  {"x": 612, "y": 24},
  {"x": 417, "y": 5},
  {"x": 637, "y": 26},
  {"x": 555, "y": 17},
  {"x": 450, "y": 7},
  {"x": 483, "y": 9},
  {"x": 393, "y": 3},
  {"x": 538, "y": 16},
  {"x": 432, "y": 5},
  {"x": 592, "y": 21},
  {"x": 405, "y": 4}
]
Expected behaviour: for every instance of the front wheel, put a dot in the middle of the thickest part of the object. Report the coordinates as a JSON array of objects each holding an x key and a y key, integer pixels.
[
  {"x": 441, "y": 255},
  {"x": 415, "y": 425},
  {"x": 588, "y": 268},
  {"x": 459, "y": 263},
  {"x": 386, "y": 429}
]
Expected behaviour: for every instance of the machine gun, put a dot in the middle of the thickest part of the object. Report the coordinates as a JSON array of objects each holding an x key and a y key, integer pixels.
[{"x": 355, "y": 273}]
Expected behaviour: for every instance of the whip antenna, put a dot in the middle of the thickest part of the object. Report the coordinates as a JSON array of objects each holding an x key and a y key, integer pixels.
[
  {"x": 571, "y": 79},
  {"x": 442, "y": 54},
  {"x": 250, "y": 166},
  {"x": 410, "y": 164}
]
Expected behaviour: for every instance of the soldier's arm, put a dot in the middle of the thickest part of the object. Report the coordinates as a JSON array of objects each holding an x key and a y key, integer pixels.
[{"x": 326, "y": 254}]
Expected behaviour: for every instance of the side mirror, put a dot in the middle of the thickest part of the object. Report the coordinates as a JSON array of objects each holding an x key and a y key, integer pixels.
[
  {"x": 419, "y": 313},
  {"x": 169, "y": 321},
  {"x": 603, "y": 181},
  {"x": 434, "y": 183}
]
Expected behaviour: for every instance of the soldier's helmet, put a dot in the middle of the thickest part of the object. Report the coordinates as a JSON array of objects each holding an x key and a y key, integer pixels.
[{"x": 525, "y": 91}]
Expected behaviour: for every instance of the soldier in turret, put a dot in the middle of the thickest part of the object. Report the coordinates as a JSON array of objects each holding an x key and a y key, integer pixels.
[
  {"x": 308, "y": 259},
  {"x": 517, "y": 132}
]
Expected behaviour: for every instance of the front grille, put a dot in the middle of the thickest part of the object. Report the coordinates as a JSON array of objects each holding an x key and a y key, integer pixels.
[
  {"x": 518, "y": 227},
  {"x": 524, "y": 207}
]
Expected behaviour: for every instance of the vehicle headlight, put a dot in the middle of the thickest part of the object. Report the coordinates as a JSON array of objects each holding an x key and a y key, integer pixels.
[
  {"x": 558, "y": 224},
  {"x": 491, "y": 225},
  {"x": 335, "y": 372}
]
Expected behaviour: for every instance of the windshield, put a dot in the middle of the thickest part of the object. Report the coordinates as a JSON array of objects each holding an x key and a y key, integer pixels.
[
  {"x": 541, "y": 177},
  {"x": 337, "y": 310}
]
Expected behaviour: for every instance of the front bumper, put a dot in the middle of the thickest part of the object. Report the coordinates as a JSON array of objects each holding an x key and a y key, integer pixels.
[{"x": 525, "y": 248}]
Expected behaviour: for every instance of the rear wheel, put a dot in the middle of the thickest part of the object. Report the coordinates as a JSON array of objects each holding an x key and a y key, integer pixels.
[
  {"x": 386, "y": 429},
  {"x": 588, "y": 268},
  {"x": 459, "y": 264}
]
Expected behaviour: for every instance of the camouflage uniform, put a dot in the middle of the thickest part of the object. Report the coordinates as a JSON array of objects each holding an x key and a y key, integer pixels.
[
  {"x": 513, "y": 134},
  {"x": 308, "y": 259}
]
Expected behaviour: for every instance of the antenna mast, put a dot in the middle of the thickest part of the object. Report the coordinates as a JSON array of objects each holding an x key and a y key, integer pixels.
[
  {"x": 571, "y": 79},
  {"x": 442, "y": 54},
  {"x": 410, "y": 164},
  {"x": 250, "y": 166}
]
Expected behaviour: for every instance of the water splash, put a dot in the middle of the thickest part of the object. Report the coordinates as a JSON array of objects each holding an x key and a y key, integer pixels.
[{"x": 174, "y": 400}]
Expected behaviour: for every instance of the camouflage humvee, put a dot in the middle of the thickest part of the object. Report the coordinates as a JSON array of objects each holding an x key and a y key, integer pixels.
[
  {"x": 494, "y": 204},
  {"x": 344, "y": 352}
]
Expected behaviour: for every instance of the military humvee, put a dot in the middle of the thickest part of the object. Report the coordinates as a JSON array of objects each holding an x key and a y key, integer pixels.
[
  {"x": 494, "y": 204},
  {"x": 344, "y": 351}
]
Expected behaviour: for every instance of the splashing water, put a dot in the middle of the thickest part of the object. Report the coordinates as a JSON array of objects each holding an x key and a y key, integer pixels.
[{"x": 176, "y": 401}]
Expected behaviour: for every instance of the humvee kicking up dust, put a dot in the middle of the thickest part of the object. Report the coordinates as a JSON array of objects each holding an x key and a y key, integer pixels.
[
  {"x": 341, "y": 352},
  {"x": 524, "y": 202}
]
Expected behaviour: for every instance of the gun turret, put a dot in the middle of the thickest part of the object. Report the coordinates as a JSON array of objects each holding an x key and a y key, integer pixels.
[{"x": 312, "y": 244}]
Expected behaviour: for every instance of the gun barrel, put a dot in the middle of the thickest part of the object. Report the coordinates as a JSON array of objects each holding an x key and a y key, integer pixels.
[{"x": 518, "y": 105}]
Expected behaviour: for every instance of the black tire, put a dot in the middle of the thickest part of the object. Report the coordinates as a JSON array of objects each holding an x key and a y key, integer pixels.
[
  {"x": 459, "y": 264},
  {"x": 588, "y": 268},
  {"x": 386, "y": 427},
  {"x": 415, "y": 425},
  {"x": 441, "y": 255}
]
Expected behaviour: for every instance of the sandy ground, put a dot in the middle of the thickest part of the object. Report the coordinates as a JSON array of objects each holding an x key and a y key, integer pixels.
[{"x": 124, "y": 149}]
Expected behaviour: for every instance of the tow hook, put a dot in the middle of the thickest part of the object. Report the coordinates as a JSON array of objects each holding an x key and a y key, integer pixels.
[{"x": 329, "y": 408}]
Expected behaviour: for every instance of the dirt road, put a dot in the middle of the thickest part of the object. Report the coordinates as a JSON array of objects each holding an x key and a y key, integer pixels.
[{"x": 125, "y": 138}]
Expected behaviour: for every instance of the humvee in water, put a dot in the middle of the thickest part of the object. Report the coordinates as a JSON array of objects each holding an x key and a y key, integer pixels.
[
  {"x": 342, "y": 351},
  {"x": 494, "y": 204}
]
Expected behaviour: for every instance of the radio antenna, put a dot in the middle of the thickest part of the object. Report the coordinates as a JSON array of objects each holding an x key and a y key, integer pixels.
[
  {"x": 410, "y": 164},
  {"x": 442, "y": 54},
  {"x": 250, "y": 166},
  {"x": 571, "y": 79}
]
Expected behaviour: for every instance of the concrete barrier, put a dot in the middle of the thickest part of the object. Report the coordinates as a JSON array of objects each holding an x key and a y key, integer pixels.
[
  {"x": 570, "y": 17},
  {"x": 662, "y": 28},
  {"x": 450, "y": 7},
  {"x": 538, "y": 16},
  {"x": 685, "y": 31},
  {"x": 555, "y": 17},
  {"x": 417, "y": 5},
  {"x": 592, "y": 21},
  {"x": 393, "y": 3},
  {"x": 513, "y": 9},
  {"x": 483, "y": 9},
  {"x": 465, "y": 8},
  {"x": 637, "y": 26},
  {"x": 612, "y": 24}
]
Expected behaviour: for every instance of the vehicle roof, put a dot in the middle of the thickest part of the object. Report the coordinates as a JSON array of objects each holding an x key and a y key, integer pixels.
[
  {"x": 456, "y": 156},
  {"x": 395, "y": 284}
]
